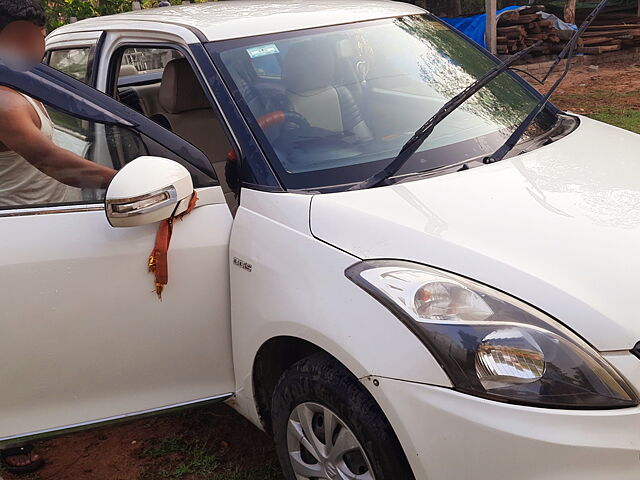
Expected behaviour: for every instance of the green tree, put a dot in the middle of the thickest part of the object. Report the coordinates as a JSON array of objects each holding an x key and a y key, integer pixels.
[{"x": 60, "y": 12}]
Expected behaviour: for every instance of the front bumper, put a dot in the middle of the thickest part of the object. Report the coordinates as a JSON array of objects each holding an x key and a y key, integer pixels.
[{"x": 452, "y": 436}]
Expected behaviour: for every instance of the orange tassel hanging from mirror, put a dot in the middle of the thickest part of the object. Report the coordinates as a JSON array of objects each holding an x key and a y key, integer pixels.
[{"x": 158, "y": 260}]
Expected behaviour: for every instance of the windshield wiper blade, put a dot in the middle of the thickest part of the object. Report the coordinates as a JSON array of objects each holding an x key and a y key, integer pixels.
[
  {"x": 568, "y": 51},
  {"x": 421, "y": 135}
]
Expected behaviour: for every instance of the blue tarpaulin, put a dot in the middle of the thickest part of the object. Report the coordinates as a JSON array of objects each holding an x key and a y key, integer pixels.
[{"x": 474, "y": 27}]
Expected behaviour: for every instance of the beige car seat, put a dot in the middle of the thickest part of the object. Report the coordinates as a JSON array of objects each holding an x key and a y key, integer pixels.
[
  {"x": 311, "y": 87},
  {"x": 308, "y": 74}
]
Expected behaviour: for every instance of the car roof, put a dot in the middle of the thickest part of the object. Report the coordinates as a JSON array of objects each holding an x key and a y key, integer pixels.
[{"x": 223, "y": 20}]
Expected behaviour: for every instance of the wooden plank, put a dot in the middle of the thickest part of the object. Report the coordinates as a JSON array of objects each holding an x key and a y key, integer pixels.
[
  {"x": 599, "y": 50},
  {"x": 588, "y": 42},
  {"x": 613, "y": 34},
  {"x": 520, "y": 20},
  {"x": 595, "y": 40},
  {"x": 513, "y": 35},
  {"x": 604, "y": 28},
  {"x": 512, "y": 29},
  {"x": 538, "y": 36},
  {"x": 508, "y": 16},
  {"x": 534, "y": 27}
]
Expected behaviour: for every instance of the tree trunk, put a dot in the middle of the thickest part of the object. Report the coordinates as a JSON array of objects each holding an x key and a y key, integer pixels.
[
  {"x": 491, "y": 38},
  {"x": 455, "y": 8},
  {"x": 570, "y": 11}
]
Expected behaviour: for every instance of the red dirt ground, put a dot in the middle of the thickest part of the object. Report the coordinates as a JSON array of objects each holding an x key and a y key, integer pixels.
[
  {"x": 120, "y": 452},
  {"x": 589, "y": 90}
]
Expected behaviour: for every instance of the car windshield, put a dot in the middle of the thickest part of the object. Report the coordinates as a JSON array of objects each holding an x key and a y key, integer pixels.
[{"x": 332, "y": 106}]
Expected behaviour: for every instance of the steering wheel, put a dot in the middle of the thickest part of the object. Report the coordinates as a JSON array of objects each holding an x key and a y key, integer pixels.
[
  {"x": 279, "y": 117},
  {"x": 272, "y": 119}
]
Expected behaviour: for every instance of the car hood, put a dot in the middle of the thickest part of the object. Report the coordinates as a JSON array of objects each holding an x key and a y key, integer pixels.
[{"x": 558, "y": 227}]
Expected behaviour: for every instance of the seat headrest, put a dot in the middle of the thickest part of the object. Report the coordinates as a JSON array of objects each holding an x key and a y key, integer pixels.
[
  {"x": 128, "y": 71},
  {"x": 308, "y": 66},
  {"x": 180, "y": 90}
]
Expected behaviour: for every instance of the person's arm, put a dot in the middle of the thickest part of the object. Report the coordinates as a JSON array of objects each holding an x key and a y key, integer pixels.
[{"x": 19, "y": 133}]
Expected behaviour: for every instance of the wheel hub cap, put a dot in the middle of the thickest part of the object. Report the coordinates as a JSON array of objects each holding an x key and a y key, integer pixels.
[{"x": 322, "y": 447}]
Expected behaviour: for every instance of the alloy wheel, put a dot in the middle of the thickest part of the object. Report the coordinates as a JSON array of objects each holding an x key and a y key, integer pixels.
[{"x": 322, "y": 447}]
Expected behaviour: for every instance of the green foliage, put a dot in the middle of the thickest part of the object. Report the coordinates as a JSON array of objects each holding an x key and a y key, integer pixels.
[{"x": 60, "y": 12}]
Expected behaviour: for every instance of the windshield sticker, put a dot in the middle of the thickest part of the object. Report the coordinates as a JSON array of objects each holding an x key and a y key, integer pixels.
[{"x": 263, "y": 50}]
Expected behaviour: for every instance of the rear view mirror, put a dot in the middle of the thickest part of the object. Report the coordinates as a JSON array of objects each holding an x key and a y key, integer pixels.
[{"x": 147, "y": 190}]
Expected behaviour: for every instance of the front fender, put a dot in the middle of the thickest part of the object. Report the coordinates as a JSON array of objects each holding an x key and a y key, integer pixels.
[{"x": 296, "y": 287}]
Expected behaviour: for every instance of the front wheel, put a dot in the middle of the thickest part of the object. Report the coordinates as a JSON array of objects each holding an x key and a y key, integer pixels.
[{"x": 328, "y": 427}]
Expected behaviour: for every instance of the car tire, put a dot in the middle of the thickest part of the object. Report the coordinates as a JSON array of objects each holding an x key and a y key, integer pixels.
[{"x": 319, "y": 390}]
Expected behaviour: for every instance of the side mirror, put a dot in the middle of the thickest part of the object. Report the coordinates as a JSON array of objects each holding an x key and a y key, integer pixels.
[{"x": 147, "y": 190}]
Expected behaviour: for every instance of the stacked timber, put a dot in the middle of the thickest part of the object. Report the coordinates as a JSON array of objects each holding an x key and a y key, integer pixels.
[
  {"x": 519, "y": 29},
  {"x": 614, "y": 29}
]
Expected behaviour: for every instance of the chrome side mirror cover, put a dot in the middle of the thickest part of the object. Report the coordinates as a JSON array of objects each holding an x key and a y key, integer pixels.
[{"x": 147, "y": 190}]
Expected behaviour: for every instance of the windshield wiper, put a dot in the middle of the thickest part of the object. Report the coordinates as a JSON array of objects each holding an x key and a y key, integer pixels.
[
  {"x": 567, "y": 52},
  {"x": 421, "y": 135}
]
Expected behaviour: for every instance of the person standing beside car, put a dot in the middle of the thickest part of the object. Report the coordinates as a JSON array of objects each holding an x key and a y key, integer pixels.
[{"x": 33, "y": 169}]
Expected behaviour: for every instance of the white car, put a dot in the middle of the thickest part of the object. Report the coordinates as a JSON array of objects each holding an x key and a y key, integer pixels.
[{"x": 458, "y": 320}]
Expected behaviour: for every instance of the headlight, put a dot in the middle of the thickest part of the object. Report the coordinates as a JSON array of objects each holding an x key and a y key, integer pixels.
[{"x": 490, "y": 344}]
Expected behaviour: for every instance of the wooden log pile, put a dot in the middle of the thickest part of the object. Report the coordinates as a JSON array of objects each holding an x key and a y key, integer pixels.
[
  {"x": 518, "y": 29},
  {"x": 614, "y": 29}
]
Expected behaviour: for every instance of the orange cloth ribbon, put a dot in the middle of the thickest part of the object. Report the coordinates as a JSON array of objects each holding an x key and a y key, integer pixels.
[{"x": 158, "y": 260}]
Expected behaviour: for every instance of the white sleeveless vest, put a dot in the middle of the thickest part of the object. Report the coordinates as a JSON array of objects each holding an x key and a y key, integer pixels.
[{"x": 22, "y": 184}]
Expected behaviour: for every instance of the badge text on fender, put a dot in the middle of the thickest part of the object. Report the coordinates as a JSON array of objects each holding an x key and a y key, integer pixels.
[{"x": 242, "y": 264}]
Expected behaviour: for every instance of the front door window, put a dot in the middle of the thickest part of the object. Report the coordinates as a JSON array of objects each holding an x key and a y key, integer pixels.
[
  {"x": 161, "y": 83},
  {"x": 29, "y": 180}
]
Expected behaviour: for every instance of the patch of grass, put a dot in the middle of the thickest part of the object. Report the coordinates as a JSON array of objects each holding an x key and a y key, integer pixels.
[
  {"x": 268, "y": 472},
  {"x": 167, "y": 446},
  {"x": 193, "y": 458},
  {"x": 596, "y": 95},
  {"x": 629, "y": 119},
  {"x": 177, "y": 458},
  {"x": 606, "y": 106},
  {"x": 202, "y": 464}
]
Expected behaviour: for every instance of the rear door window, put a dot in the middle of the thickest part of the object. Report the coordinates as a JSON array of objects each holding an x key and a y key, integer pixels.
[{"x": 74, "y": 62}]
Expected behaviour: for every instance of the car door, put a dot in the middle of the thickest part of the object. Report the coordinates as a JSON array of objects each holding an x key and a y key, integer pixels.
[{"x": 83, "y": 336}]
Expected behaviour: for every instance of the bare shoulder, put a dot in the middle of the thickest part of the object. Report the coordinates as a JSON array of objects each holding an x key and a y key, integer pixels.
[
  {"x": 9, "y": 96},
  {"x": 13, "y": 105}
]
